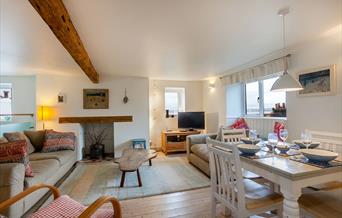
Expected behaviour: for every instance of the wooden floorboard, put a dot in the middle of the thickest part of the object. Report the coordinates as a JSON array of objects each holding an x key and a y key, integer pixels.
[{"x": 188, "y": 204}]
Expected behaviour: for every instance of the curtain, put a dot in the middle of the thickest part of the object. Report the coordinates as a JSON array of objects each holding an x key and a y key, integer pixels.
[{"x": 263, "y": 71}]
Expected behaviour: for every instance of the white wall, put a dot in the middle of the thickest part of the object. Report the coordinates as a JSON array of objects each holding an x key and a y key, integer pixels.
[
  {"x": 23, "y": 93},
  {"x": 48, "y": 87},
  {"x": 321, "y": 113},
  {"x": 158, "y": 122},
  {"x": 214, "y": 104}
]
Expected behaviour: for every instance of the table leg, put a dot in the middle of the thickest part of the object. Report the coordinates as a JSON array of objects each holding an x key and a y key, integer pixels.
[
  {"x": 139, "y": 179},
  {"x": 290, "y": 203},
  {"x": 122, "y": 179}
]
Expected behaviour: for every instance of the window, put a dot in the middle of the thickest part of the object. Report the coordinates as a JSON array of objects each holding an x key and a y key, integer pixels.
[
  {"x": 5, "y": 100},
  {"x": 260, "y": 101},
  {"x": 272, "y": 98},
  {"x": 252, "y": 98},
  {"x": 174, "y": 100}
]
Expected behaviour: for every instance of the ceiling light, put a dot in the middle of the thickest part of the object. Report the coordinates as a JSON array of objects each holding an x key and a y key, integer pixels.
[{"x": 285, "y": 83}]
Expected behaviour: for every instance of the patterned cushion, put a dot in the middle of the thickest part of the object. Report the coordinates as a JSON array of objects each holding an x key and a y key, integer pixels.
[
  {"x": 15, "y": 136},
  {"x": 16, "y": 152},
  {"x": 36, "y": 137},
  {"x": 56, "y": 141},
  {"x": 64, "y": 206},
  {"x": 277, "y": 127},
  {"x": 239, "y": 124},
  {"x": 3, "y": 140}
]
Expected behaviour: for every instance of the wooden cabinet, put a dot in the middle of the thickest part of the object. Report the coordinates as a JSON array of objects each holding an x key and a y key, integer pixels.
[{"x": 173, "y": 141}]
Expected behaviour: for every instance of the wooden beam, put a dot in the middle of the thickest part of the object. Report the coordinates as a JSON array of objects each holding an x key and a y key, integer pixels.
[
  {"x": 96, "y": 119},
  {"x": 57, "y": 18}
]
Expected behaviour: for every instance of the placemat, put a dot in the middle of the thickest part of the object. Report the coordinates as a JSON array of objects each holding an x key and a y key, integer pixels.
[
  {"x": 302, "y": 159},
  {"x": 258, "y": 155}
]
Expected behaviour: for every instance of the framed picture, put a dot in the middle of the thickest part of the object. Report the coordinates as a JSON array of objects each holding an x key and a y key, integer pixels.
[
  {"x": 317, "y": 82},
  {"x": 61, "y": 98},
  {"x": 95, "y": 99}
]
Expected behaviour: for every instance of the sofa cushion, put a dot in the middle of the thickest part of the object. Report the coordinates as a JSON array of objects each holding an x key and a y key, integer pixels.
[
  {"x": 62, "y": 156},
  {"x": 43, "y": 170},
  {"x": 16, "y": 152},
  {"x": 16, "y": 136},
  {"x": 56, "y": 141},
  {"x": 201, "y": 150},
  {"x": 36, "y": 138}
]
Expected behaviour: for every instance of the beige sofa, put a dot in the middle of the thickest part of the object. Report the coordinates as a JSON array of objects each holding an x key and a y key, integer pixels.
[
  {"x": 197, "y": 151},
  {"x": 48, "y": 168}
]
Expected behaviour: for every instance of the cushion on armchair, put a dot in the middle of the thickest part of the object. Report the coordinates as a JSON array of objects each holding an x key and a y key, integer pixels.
[
  {"x": 239, "y": 124},
  {"x": 64, "y": 206},
  {"x": 56, "y": 141},
  {"x": 16, "y": 152}
]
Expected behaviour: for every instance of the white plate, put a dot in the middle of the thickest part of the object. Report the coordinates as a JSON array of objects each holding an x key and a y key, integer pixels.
[
  {"x": 319, "y": 155},
  {"x": 248, "y": 148},
  {"x": 283, "y": 148},
  {"x": 301, "y": 144}
]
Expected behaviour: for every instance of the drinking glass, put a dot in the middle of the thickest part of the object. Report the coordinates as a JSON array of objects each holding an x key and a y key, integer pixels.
[
  {"x": 283, "y": 135},
  {"x": 253, "y": 135},
  {"x": 306, "y": 138},
  {"x": 273, "y": 140}
]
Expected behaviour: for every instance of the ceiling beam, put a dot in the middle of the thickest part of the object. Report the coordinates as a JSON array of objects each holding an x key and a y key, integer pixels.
[{"x": 57, "y": 18}]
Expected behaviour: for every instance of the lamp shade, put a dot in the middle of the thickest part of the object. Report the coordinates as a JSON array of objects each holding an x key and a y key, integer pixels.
[
  {"x": 286, "y": 83},
  {"x": 45, "y": 113}
]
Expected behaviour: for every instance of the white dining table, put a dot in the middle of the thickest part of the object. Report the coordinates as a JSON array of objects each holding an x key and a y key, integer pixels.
[{"x": 291, "y": 176}]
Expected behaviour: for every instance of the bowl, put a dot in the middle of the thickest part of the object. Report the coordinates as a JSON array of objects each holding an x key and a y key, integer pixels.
[
  {"x": 249, "y": 141},
  {"x": 283, "y": 148},
  {"x": 248, "y": 149},
  {"x": 319, "y": 155},
  {"x": 301, "y": 144}
]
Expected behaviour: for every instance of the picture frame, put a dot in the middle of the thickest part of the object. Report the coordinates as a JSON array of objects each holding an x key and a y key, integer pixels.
[
  {"x": 320, "y": 81},
  {"x": 61, "y": 98},
  {"x": 95, "y": 98}
]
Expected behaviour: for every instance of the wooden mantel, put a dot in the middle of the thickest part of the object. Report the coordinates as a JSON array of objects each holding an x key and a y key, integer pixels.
[{"x": 96, "y": 119}]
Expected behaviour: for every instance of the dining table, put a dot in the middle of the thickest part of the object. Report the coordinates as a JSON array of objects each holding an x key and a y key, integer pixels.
[{"x": 290, "y": 175}]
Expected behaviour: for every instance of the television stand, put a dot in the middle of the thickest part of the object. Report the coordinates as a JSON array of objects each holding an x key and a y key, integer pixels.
[{"x": 175, "y": 141}]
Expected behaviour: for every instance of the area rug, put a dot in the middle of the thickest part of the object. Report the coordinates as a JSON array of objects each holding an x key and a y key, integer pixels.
[{"x": 167, "y": 174}]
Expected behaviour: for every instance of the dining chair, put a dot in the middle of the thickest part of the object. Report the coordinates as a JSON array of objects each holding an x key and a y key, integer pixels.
[
  {"x": 321, "y": 204},
  {"x": 243, "y": 197},
  {"x": 232, "y": 135}
]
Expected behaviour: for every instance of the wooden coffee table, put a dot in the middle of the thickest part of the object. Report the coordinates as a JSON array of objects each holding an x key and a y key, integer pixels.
[{"x": 132, "y": 159}]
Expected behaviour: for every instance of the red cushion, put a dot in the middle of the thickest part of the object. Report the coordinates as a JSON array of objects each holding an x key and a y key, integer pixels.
[
  {"x": 56, "y": 141},
  {"x": 277, "y": 127},
  {"x": 64, "y": 206},
  {"x": 16, "y": 152},
  {"x": 239, "y": 124}
]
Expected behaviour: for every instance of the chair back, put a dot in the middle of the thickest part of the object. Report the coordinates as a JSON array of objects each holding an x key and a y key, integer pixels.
[
  {"x": 232, "y": 135},
  {"x": 226, "y": 175}
]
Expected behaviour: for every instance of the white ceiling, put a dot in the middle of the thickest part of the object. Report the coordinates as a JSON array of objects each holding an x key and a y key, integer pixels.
[{"x": 165, "y": 39}]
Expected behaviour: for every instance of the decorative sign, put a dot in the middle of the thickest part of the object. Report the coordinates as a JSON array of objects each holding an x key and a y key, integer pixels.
[{"x": 95, "y": 99}]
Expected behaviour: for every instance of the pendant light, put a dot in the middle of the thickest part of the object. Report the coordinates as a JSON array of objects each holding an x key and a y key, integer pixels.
[{"x": 285, "y": 83}]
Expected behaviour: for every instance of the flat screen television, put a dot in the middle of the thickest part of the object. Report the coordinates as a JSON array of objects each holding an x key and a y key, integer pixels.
[{"x": 191, "y": 120}]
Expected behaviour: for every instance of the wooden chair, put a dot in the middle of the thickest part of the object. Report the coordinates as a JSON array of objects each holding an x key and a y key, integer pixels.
[
  {"x": 88, "y": 212},
  {"x": 321, "y": 204},
  {"x": 243, "y": 197},
  {"x": 232, "y": 135}
]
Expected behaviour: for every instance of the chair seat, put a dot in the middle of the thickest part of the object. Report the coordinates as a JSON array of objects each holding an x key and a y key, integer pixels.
[
  {"x": 322, "y": 203},
  {"x": 327, "y": 186},
  {"x": 64, "y": 206},
  {"x": 259, "y": 196}
]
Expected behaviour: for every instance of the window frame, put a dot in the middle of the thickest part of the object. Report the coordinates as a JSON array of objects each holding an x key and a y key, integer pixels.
[
  {"x": 181, "y": 99},
  {"x": 261, "y": 99}
]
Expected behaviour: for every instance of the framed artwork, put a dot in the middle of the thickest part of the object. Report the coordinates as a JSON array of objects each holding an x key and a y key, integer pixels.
[
  {"x": 317, "y": 82},
  {"x": 95, "y": 99},
  {"x": 61, "y": 98}
]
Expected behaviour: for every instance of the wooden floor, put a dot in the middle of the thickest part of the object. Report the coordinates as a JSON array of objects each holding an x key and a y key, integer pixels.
[{"x": 195, "y": 203}]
